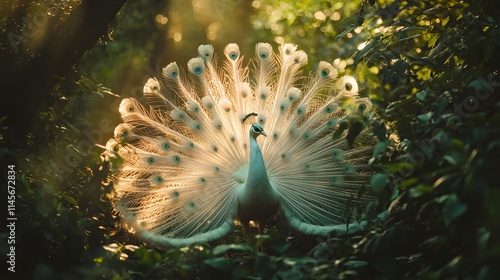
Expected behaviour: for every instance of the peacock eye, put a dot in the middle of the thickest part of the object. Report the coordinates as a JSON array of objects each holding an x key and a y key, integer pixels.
[
  {"x": 257, "y": 129},
  {"x": 197, "y": 70},
  {"x": 263, "y": 55},
  {"x": 325, "y": 72},
  {"x": 154, "y": 87},
  {"x": 233, "y": 55},
  {"x": 174, "y": 74}
]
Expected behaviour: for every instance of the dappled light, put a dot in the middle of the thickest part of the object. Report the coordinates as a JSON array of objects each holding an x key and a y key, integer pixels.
[{"x": 424, "y": 119}]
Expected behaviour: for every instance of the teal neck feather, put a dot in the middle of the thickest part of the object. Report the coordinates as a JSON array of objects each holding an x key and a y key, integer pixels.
[{"x": 257, "y": 173}]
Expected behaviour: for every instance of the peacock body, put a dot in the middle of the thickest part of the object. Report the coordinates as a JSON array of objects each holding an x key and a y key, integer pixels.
[{"x": 242, "y": 144}]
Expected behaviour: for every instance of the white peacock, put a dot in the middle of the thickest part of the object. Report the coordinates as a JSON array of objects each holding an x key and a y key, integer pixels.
[{"x": 234, "y": 145}]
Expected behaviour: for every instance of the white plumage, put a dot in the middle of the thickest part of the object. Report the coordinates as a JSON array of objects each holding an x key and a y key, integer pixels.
[{"x": 186, "y": 168}]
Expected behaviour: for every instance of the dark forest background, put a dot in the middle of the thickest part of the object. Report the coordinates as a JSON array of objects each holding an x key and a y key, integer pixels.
[{"x": 431, "y": 68}]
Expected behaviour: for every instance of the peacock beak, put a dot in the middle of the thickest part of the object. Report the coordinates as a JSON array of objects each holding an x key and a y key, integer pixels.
[{"x": 263, "y": 133}]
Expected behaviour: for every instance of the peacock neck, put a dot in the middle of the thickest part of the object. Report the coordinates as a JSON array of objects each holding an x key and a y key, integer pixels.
[{"x": 257, "y": 173}]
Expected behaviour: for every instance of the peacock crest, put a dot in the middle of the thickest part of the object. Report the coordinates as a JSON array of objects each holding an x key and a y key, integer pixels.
[{"x": 239, "y": 143}]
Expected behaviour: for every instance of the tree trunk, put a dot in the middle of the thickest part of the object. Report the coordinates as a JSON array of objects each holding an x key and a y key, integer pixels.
[{"x": 28, "y": 85}]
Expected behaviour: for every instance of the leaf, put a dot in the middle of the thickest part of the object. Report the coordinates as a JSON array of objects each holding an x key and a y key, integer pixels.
[
  {"x": 432, "y": 40},
  {"x": 421, "y": 95},
  {"x": 348, "y": 29},
  {"x": 226, "y": 247},
  {"x": 399, "y": 167},
  {"x": 378, "y": 182},
  {"x": 363, "y": 52},
  {"x": 355, "y": 264},
  {"x": 281, "y": 247},
  {"x": 380, "y": 147},
  {"x": 453, "y": 208},
  {"x": 445, "y": 21},
  {"x": 420, "y": 190},
  {"x": 425, "y": 117},
  {"x": 408, "y": 182},
  {"x": 219, "y": 263},
  {"x": 69, "y": 199}
]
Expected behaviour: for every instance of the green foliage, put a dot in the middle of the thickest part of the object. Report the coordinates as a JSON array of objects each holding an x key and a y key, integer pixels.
[{"x": 432, "y": 72}]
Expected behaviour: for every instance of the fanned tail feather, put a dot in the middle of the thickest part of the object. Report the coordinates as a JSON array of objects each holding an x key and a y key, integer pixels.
[{"x": 182, "y": 160}]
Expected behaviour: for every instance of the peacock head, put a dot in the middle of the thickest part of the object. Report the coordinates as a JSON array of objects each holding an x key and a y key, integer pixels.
[{"x": 256, "y": 130}]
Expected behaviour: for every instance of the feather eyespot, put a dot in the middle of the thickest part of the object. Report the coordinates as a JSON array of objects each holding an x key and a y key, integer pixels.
[
  {"x": 348, "y": 86},
  {"x": 158, "y": 179},
  {"x": 175, "y": 194}
]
